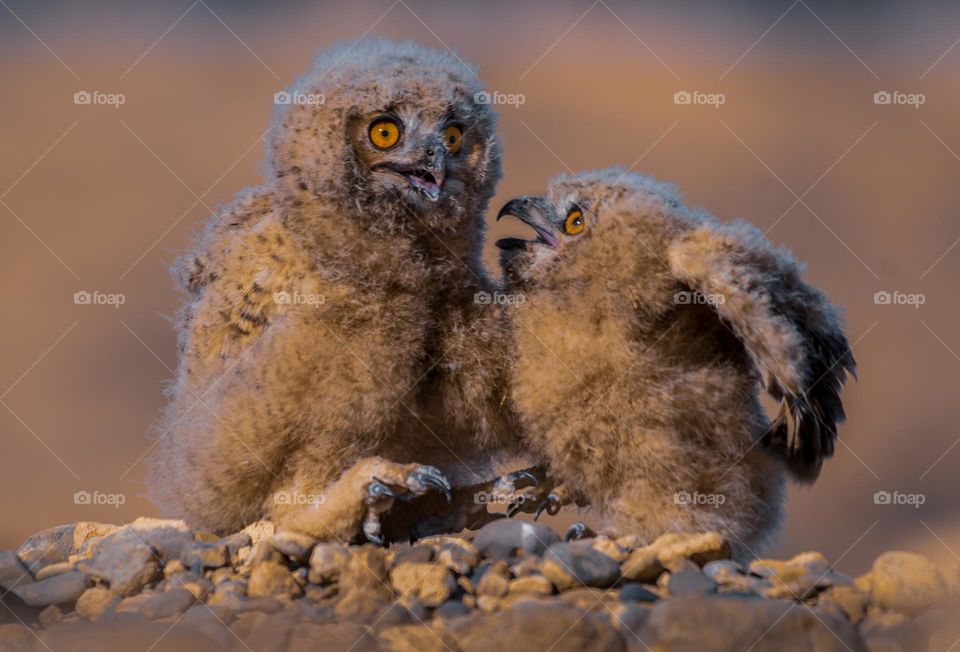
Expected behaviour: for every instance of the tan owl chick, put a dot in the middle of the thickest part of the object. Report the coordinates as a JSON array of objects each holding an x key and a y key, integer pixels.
[
  {"x": 646, "y": 332},
  {"x": 321, "y": 304}
]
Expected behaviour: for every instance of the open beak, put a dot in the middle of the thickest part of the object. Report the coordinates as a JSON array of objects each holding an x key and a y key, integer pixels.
[
  {"x": 534, "y": 211},
  {"x": 427, "y": 180}
]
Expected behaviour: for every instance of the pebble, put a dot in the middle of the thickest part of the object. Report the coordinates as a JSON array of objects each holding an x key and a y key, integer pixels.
[
  {"x": 495, "y": 580},
  {"x": 271, "y": 579},
  {"x": 432, "y": 584},
  {"x": 503, "y": 538},
  {"x": 202, "y": 555},
  {"x": 636, "y": 592},
  {"x": 327, "y": 561},
  {"x": 569, "y": 565},
  {"x": 531, "y": 584},
  {"x": 12, "y": 570},
  {"x": 59, "y": 589},
  {"x": 124, "y": 561},
  {"x": 688, "y": 583},
  {"x": 905, "y": 582},
  {"x": 798, "y": 578},
  {"x": 294, "y": 545},
  {"x": 94, "y": 601}
]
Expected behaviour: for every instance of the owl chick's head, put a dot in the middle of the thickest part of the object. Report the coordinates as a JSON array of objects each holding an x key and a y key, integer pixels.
[
  {"x": 391, "y": 132},
  {"x": 614, "y": 220}
]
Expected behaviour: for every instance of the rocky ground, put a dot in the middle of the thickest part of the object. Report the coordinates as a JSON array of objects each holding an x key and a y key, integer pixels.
[{"x": 156, "y": 585}]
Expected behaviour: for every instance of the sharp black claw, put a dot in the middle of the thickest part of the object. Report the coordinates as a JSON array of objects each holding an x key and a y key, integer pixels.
[
  {"x": 513, "y": 509},
  {"x": 578, "y": 530},
  {"x": 374, "y": 539},
  {"x": 434, "y": 478},
  {"x": 529, "y": 476}
]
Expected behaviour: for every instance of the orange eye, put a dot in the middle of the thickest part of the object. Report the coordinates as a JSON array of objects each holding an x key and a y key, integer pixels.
[
  {"x": 574, "y": 224},
  {"x": 384, "y": 134},
  {"x": 453, "y": 138}
]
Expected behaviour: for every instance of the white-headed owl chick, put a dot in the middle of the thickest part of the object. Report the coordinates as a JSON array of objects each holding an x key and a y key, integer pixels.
[
  {"x": 646, "y": 330},
  {"x": 323, "y": 304}
]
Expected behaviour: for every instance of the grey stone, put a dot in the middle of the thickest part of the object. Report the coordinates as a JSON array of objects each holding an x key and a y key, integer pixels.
[
  {"x": 59, "y": 589},
  {"x": 502, "y": 538},
  {"x": 125, "y": 561},
  {"x": 689, "y": 583},
  {"x": 569, "y": 565}
]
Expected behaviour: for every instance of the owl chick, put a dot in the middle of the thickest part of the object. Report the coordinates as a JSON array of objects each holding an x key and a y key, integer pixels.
[
  {"x": 323, "y": 305},
  {"x": 645, "y": 333}
]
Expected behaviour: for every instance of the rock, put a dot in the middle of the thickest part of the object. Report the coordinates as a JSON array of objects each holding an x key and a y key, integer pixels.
[
  {"x": 488, "y": 603},
  {"x": 589, "y": 599},
  {"x": 722, "y": 569},
  {"x": 94, "y": 601},
  {"x": 459, "y": 559},
  {"x": 200, "y": 556},
  {"x": 688, "y": 583},
  {"x": 643, "y": 565},
  {"x": 414, "y": 554},
  {"x": 501, "y": 539},
  {"x": 495, "y": 581},
  {"x": 271, "y": 579},
  {"x": 259, "y": 531},
  {"x": 234, "y": 543},
  {"x": 451, "y": 609},
  {"x": 532, "y": 585},
  {"x": 797, "y": 578},
  {"x": 50, "y": 616},
  {"x": 210, "y": 622},
  {"x": 364, "y": 585},
  {"x": 719, "y": 624},
  {"x": 412, "y": 638},
  {"x": 610, "y": 549},
  {"x": 536, "y": 625},
  {"x": 568, "y": 565},
  {"x": 53, "y": 569},
  {"x": 84, "y": 531},
  {"x": 845, "y": 600},
  {"x": 59, "y": 589},
  {"x": 197, "y": 585},
  {"x": 125, "y": 561},
  {"x": 701, "y": 548},
  {"x": 905, "y": 582},
  {"x": 528, "y": 565},
  {"x": 159, "y": 605},
  {"x": 327, "y": 561},
  {"x": 166, "y": 536},
  {"x": 294, "y": 545},
  {"x": 310, "y": 637},
  {"x": 628, "y": 617},
  {"x": 636, "y": 592},
  {"x": 892, "y": 631},
  {"x": 13, "y": 572},
  {"x": 431, "y": 584},
  {"x": 47, "y": 547}
]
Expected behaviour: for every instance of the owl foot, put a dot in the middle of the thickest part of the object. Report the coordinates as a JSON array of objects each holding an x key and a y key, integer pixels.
[
  {"x": 417, "y": 480},
  {"x": 508, "y": 490},
  {"x": 577, "y": 531}
]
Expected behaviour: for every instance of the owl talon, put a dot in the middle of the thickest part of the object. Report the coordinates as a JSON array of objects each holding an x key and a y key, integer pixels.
[
  {"x": 577, "y": 531},
  {"x": 371, "y": 528},
  {"x": 378, "y": 489},
  {"x": 424, "y": 477},
  {"x": 552, "y": 504}
]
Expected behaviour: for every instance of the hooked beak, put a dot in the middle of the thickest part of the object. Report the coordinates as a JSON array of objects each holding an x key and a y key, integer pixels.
[
  {"x": 425, "y": 175},
  {"x": 534, "y": 212}
]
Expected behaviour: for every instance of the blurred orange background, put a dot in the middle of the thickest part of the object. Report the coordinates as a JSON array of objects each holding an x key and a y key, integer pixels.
[{"x": 100, "y": 198}]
